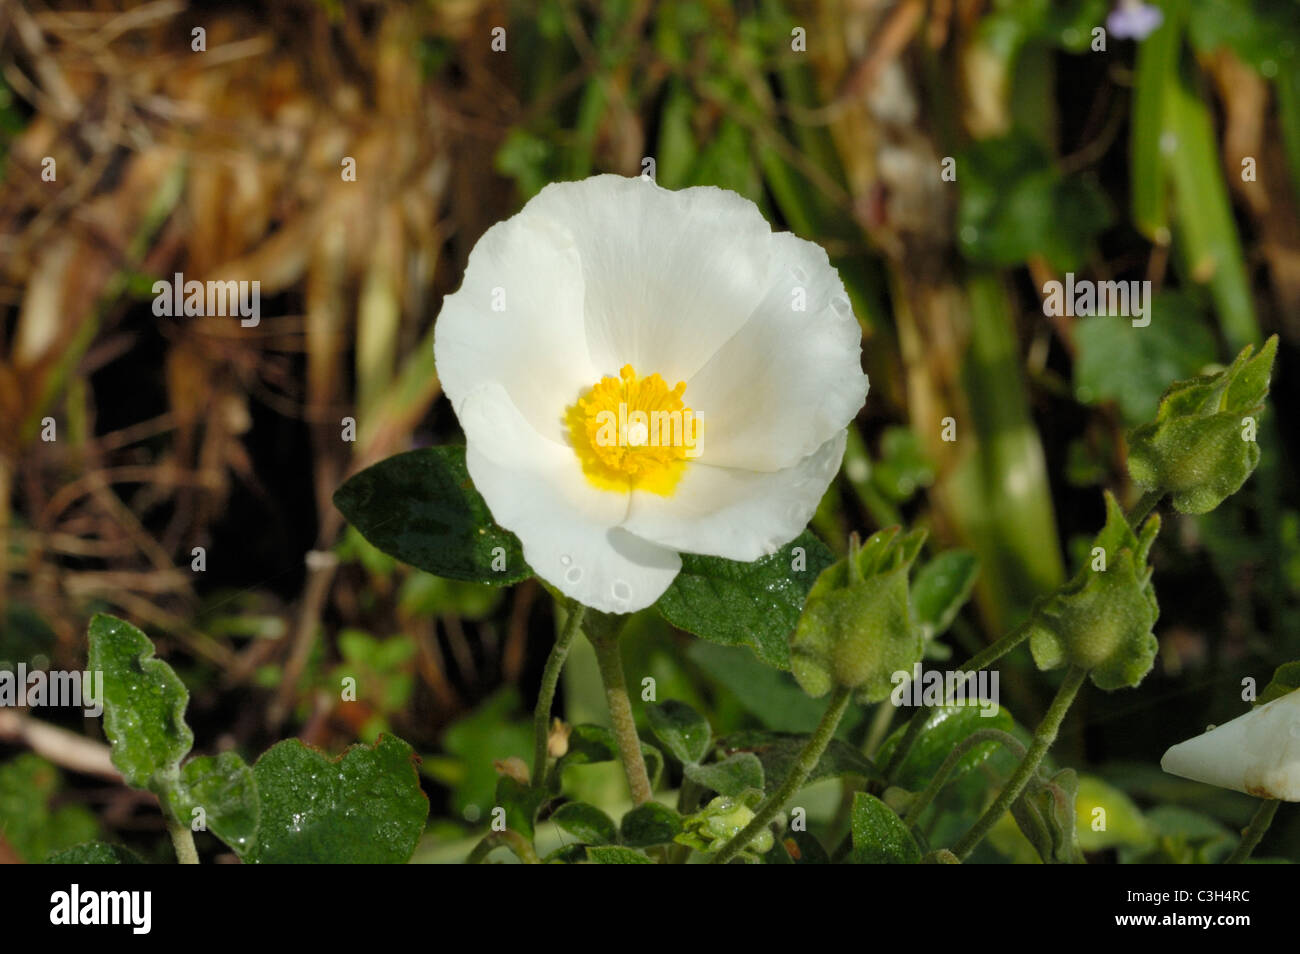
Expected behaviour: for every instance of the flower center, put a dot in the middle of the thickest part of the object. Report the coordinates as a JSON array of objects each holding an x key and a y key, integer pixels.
[{"x": 633, "y": 433}]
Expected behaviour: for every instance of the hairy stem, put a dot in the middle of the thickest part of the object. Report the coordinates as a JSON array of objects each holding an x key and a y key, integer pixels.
[
  {"x": 610, "y": 662},
  {"x": 799, "y": 772},
  {"x": 183, "y": 842},
  {"x": 1044, "y": 736},
  {"x": 546, "y": 694},
  {"x": 1254, "y": 831},
  {"x": 981, "y": 660},
  {"x": 941, "y": 777}
]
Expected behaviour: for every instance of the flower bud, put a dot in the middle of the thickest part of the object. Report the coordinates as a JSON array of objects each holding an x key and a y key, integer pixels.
[
  {"x": 713, "y": 826},
  {"x": 557, "y": 740},
  {"x": 1200, "y": 448},
  {"x": 1101, "y": 620},
  {"x": 1257, "y": 753},
  {"x": 513, "y": 767},
  {"x": 856, "y": 629}
]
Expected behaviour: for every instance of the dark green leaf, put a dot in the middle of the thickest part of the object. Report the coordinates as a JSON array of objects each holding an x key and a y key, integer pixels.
[
  {"x": 683, "y": 731},
  {"x": 943, "y": 731},
  {"x": 225, "y": 788},
  {"x": 731, "y": 776},
  {"x": 1133, "y": 366},
  {"x": 521, "y": 802},
  {"x": 144, "y": 703},
  {"x": 940, "y": 589},
  {"x": 365, "y": 807},
  {"x": 747, "y": 604},
  {"x": 615, "y": 855},
  {"x": 654, "y": 763},
  {"x": 879, "y": 836},
  {"x": 591, "y": 743},
  {"x": 650, "y": 824},
  {"x": 587, "y": 823},
  {"x": 95, "y": 853},
  {"x": 30, "y": 823},
  {"x": 421, "y": 508},
  {"x": 779, "y": 750}
]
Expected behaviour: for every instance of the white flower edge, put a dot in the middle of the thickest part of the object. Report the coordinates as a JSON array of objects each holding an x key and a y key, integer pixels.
[
  {"x": 775, "y": 388},
  {"x": 1257, "y": 753}
]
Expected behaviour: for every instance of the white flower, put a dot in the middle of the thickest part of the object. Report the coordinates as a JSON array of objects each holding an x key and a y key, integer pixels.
[
  {"x": 1257, "y": 753},
  {"x": 611, "y": 296}
]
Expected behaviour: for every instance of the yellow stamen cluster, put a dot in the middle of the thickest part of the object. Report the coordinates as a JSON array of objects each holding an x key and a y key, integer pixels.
[{"x": 633, "y": 433}]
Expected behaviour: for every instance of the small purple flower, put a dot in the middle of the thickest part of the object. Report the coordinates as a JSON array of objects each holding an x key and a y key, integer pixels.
[{"x": 1134, "y": 20}]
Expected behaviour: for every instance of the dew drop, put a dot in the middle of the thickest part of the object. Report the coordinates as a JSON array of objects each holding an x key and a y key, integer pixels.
[
  {"x": 621, "y": 590},
  {"x": 565, "y": 559},
  {"x": 574, "y": 574}
]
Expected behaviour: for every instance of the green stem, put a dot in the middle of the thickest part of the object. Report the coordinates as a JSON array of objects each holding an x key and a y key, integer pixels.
[
  {"x": 546, "y": 694},
  {"x": 183, "y": 842},
  {"x": 511, "y": 839},
  {"x": 941, "y": 776},
  {"x": 1146, "y": 503},
  {"x": 799, "y": 772},
  {"x": 880, "y": 723},
  {"x": 1254, "y": 831},
  {"x": 981, "y": 660},
  {"x": 1044, "y": 736},
  {"x": 610, "y": 662}
]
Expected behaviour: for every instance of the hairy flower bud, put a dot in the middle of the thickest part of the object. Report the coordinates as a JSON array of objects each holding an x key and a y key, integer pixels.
[
  {"x": 1101, "y": 620},
  {"x": 1201, "y": 446},
  {"x": 856, "y": 629}
]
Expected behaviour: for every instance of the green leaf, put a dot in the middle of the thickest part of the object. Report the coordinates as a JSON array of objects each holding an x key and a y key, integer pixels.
[
  {"x": 879, "y": 836},
  {"x": 521, "y": 802},
  {"x": 779, "y": 750},
  {"x": 903, "y": 467},
  {"x": 1015, "y": 204},
  {"x": 654, "y": 763},
  {"x": 683, "y": 731},
  {"x": 747, "y": 604},
  {"x": 225, "y": 788},
  {"x": 1132, "y": 365},
  {"x": 940, "y": 589},
  {"x": 615, "y": 855},
  {"x": 1106, "y": 817},
  {"x": 942, "y": 732},
  {"x": 421, "y": 508},
  {"x": 364, "y": 807},
  {"x": 1286, "y": 679},
  {"x": 95, "y": 853},
  {"x": 591, "y": 743},
  {"x": 733, "y": 775},
  {"x": 770, "y": 695},
  {"x": 144, "y": 704},
  {"x": 587, "y": 823},
  {"x": 650, "y": 824}
]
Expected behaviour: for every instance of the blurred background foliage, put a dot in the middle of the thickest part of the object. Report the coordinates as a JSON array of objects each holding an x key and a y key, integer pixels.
[{"x": 836, "y": 118}]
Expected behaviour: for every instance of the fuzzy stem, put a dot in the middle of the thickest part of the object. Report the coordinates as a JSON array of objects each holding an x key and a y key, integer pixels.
[
  {"x": 923, "y": 800},
  {"x": 1255, "y": 831},
  {"x": 799, "y": 772},
  {"x": 546, "y": 694},
  {"x": 1044, "y": 736},
  {"x": 183, "y": 842},
  {"x": 610, "y": 662}
]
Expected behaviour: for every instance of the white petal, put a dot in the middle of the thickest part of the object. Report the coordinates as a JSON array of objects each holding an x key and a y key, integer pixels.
[
  {"x": 536, "y": 346},
  {"x": 535, "y": 488},
  {"x": 1257, "y": 753},
  {"x": 737, "y": 514},
  {"x": 670, "y": 275},
  {"x": 788, "y": 379}
]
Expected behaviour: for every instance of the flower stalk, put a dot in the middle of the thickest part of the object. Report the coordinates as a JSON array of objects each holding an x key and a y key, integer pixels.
[
  {"x": 546, "y": 694},
  {"x": 1044, "y": 736},
  {"x": 799, "y": 772},
  {"x": 610, "y": 662},
  {"x": 1254, "y": 833},
  {"x": 183, "y": 842}
]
